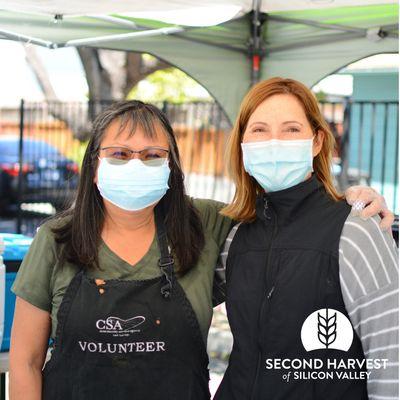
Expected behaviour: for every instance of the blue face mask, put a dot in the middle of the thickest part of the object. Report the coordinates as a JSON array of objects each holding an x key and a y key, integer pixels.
[
  {"x": 278, "y": 164},
  {"x": 132, "y": 186}
]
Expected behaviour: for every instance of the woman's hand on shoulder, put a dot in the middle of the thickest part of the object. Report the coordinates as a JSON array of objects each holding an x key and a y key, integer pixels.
[{"x": 367, "y": 202}]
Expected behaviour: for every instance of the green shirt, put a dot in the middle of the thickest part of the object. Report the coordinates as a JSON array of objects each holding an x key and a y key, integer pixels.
[{"x": 42, "y": 280}]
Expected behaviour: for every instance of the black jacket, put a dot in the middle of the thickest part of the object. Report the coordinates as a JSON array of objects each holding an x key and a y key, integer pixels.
[{"x": 281, "y": 268}]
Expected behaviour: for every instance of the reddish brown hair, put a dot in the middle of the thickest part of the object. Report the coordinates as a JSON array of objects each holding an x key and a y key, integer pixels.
[{"x": 242, "y": 207}]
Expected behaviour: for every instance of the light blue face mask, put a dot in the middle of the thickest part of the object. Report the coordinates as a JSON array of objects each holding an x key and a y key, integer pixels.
[
  {"x": 132, "y": 186},
  {"x": 278, "y": 164}
]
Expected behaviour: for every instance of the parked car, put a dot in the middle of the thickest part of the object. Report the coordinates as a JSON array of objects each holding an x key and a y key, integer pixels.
[{"x": 46, "y": 177}]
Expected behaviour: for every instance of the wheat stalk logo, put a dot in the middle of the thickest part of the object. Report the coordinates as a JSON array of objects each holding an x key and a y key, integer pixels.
[{"x": 326, "y": 328}]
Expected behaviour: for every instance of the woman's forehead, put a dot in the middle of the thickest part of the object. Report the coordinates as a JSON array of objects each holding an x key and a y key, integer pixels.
[
  {"x": 279, "y": 107},
  {"x": 132, "y": 132}
]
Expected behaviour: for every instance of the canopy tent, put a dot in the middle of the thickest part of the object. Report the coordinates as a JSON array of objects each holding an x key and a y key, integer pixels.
[{"x": 301, "y": 39}]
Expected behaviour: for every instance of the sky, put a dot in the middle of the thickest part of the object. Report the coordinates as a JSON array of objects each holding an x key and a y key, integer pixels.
[
  {"x": 68, "y": 79},
  {"x": 17, "y": 80}
]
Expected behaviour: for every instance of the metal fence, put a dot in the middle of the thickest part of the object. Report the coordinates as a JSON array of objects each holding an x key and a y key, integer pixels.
[
  {"x": 50, "y": 138},
  {"x": 367, "y": 145},
  {"x": 372, "y": 147}
]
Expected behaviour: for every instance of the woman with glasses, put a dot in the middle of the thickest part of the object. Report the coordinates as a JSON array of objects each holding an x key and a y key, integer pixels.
[{"x": 122, "y": 282}]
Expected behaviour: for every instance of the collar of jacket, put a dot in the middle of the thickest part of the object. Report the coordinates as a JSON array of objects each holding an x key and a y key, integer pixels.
[{"x": 286, "y": 204}]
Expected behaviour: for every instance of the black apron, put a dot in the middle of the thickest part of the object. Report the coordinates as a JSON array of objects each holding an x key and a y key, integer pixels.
[{"x": 130, "y": 339}]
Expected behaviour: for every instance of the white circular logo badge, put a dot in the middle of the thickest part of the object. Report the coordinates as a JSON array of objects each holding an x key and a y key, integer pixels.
[{"x": 327, "y": 329}]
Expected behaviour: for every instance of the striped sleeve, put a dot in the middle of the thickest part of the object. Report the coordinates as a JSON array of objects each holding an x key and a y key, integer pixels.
[
  {"x": 369, "y": 272},
  {"x": 219, "y": 290}
]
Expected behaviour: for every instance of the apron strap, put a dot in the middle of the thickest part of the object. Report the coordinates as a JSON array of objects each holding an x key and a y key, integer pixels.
[{"x": 166, "y": 261}]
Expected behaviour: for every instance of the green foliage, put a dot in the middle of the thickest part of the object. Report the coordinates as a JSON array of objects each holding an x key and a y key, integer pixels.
[
  {"x": 321, "y": 96},
  {"x": 171, "y": 85}
]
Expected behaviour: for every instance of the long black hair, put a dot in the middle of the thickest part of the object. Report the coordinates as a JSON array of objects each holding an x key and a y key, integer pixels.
[{"x": 80, "y": 232}]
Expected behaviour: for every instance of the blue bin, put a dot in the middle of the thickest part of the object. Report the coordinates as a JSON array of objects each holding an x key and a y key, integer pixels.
[{"x": 16, "y": 246}]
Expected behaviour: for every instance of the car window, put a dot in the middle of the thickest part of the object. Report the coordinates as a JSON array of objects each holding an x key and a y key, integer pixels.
[{"x": 32, "y": 148}]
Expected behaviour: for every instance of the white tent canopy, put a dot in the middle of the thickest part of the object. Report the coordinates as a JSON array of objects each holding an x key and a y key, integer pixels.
[
  {"x": 302, "y": 39},
  {"x": 99, "y": 7}
]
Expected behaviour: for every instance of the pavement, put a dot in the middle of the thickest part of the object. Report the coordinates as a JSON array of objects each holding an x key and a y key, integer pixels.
[{"x": 219, "y": 347}]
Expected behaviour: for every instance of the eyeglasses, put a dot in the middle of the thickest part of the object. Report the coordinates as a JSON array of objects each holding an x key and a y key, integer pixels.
[{"x": 150, "y": 156}]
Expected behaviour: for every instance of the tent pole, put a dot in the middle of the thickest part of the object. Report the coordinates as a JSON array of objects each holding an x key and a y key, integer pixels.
[
  {"x": 19, "y": 37},
  {"x": 255, "y": 48},
  {"x": 316, "y": 24},
  {"x": 123, "y": 36}
]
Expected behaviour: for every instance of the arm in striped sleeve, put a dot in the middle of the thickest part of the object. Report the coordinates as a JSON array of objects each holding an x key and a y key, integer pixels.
[
  {"x": 219, "y": 277},
  {"x": 368, "y": 267}
]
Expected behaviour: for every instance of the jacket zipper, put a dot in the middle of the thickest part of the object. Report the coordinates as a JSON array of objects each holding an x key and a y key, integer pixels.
[{"x": 266, "y": 298}]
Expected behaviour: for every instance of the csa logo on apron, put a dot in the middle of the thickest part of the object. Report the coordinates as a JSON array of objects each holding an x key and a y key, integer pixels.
[
  {"x": 327, "y": 329},
  {"x": 115, "y": 325}
]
